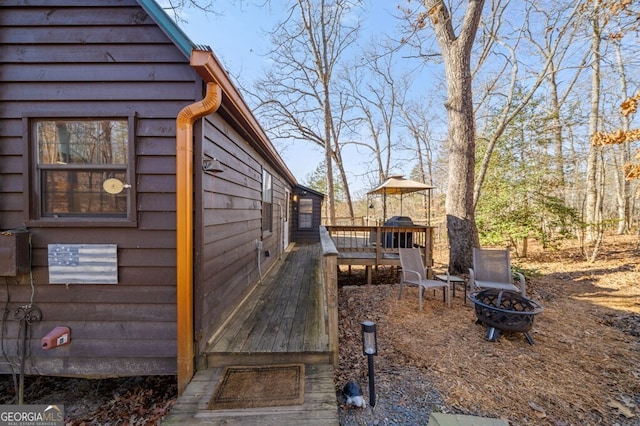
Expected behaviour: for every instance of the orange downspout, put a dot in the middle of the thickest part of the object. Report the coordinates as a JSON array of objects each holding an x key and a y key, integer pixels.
[{"x": 184, "y": 228}]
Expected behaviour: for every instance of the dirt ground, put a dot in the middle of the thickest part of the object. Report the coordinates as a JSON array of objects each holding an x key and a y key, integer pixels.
[
  {"x": 131, "y": 401},
  {"x": 583, "y": 370}
]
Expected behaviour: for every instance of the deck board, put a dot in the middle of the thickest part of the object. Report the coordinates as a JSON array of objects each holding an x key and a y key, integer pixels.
[
  {"x": 319, "y": 408},
  {"x": 284, "y": 314},
  {"x": 283, "y": 321}
]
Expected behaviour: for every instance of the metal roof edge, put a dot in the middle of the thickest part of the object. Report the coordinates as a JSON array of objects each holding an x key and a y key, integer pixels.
[
  {"x": 306, "y": 188},
  {"x": 168, "y": 26}
]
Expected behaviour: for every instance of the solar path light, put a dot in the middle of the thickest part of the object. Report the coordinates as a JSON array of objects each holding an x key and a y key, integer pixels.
[{"x": 370, "y": 348}]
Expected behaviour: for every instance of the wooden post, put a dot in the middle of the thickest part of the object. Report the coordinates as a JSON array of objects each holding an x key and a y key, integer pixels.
[
  {"x": 331, "y": 289},
  {"x": 330, "y": 283}
]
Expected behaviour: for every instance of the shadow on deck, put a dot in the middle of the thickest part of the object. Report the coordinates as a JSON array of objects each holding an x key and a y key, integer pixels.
[{"x": 282, "y": 322}]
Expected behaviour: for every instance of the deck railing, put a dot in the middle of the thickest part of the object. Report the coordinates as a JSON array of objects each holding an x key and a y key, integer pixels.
[
  {"x": 363, "y": 245},
  {"x": 378, "y": 245},
  {"x": 330, "y": 283}
]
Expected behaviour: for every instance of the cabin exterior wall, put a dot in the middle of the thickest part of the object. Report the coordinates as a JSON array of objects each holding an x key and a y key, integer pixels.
[
  {"x": 232, "y": 225},
  {"x": 97, "y": 59},
  {"x": 306, "y": 215}
]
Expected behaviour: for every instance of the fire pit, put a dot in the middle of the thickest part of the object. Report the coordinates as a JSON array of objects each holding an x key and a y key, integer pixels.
[{"x": 503, "y": 310}]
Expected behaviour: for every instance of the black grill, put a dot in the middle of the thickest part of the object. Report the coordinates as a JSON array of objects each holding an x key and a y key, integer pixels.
[
  {"x": 399, "y": 221},
  {"x": 399, "y": 239}
]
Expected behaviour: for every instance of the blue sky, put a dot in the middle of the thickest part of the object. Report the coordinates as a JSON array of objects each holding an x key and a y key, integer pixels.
[{"x": 238, "y": 37}]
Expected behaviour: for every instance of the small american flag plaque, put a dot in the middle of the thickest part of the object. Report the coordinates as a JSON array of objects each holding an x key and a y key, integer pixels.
[{"x": 83, "y": 264}]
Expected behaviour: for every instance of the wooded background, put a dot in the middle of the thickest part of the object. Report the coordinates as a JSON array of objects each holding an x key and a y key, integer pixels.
[{"x": 495, "y": 103}]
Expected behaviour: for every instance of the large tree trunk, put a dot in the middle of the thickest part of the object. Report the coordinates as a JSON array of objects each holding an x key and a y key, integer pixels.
[
  {"x": 456, "y": 53},
  {"x": 461, "y": 225}
]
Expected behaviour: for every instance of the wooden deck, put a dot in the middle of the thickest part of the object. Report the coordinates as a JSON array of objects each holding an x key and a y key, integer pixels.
[
  {"x": 319, "y": 409},
  {"x": 373, "y": 246},
  {"x": 282, "y": 322}
]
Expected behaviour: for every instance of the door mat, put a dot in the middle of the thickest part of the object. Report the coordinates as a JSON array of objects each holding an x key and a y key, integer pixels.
[{"x": 259, "y": 386}]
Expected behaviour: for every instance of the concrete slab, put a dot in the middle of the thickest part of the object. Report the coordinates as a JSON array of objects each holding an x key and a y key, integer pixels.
[{"x": 440, "y": 419}]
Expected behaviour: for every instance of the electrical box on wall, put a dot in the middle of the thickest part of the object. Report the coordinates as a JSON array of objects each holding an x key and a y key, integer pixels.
[{"x": 14, "y": 253}]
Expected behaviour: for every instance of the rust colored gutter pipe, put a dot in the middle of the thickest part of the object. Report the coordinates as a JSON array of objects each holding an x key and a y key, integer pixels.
[{"x": 184, "y": 213}]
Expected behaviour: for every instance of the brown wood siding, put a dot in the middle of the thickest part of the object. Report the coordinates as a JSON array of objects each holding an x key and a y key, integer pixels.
[
  {"x": 231, "y": 208},
  {"x": 96, "y": 58},
  {"x": 312, "y": 234}
]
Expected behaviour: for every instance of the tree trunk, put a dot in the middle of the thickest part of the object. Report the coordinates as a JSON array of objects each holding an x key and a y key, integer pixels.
[
  {"x": 461, "y": 225},
  {"x": 591, "y": 214},
  {"x": 456, "y": 53},
  {"x": 623, "y": 191},
  {"x": 328, "y": 158},
  {"x": 558, "y": 156},
  {"x": 345, "y": 183}
]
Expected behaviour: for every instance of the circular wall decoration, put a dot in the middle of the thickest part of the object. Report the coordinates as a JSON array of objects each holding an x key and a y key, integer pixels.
[{"x": 113, "y": 186}]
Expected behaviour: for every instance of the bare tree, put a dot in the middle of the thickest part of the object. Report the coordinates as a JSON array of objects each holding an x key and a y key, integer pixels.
[
  {"x": 456, "y": 55},
  {"x": 499, "y": 92},
  {"x": 513, "y": 105},
  {"x": 601, "y": 14},
  {"x": 591, "y": 212},
  {"x": 297, "y": 97},
  {"x": 557, "y": 56},
  {"x": 623, "y": 187},
  {"x": 415, "y": 119},
  {"x": 377, "y": 93}
]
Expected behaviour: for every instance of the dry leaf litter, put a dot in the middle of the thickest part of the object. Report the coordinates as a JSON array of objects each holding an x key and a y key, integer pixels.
[{"x": 583, "y": 370}]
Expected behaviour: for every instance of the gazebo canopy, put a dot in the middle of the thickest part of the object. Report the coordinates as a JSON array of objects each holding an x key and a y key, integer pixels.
[{"x": 399, "y": 185}]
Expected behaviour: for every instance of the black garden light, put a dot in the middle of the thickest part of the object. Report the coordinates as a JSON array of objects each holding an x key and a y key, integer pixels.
[{"x": 370, "y": 348}]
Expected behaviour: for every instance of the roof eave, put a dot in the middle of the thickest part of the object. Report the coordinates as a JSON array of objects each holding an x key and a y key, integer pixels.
[
  {"x": 168, "y": 26},
  {"x": 210, "y": 70}
]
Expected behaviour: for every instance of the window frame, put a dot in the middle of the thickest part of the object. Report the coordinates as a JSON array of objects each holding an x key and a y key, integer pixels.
[
  {"x": 305, "y": 214},
  {"x": 33, "y": 215},
  {"x": 267, "y": 192}
]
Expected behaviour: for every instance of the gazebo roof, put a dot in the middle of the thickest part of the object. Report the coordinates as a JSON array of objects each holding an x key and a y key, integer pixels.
[{"x": 399, "y": 185}]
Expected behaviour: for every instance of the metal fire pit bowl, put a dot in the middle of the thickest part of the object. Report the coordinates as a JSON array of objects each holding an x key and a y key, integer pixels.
[{"x": 503, "y": 310}]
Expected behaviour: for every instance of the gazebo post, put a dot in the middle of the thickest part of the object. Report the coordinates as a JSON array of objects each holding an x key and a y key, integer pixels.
[
  {"x": 384, "y": 207},
  {"x": 400, "y": 185}
]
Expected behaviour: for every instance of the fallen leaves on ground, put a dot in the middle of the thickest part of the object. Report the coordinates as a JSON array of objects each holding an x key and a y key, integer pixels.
[
  {"x": 583, "y": 369},
  {"x": 132, "y": 401}
]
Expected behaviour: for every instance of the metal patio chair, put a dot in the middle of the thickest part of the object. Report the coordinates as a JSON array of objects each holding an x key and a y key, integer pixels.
[
  {"x": 492, "y": 269},
  {"x": 415, "y": 273}
]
